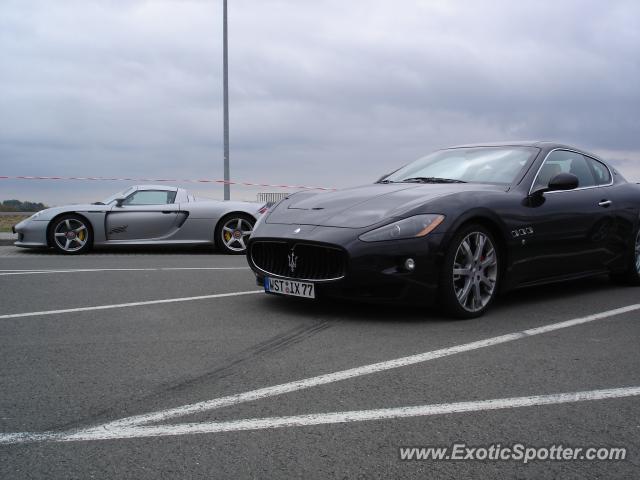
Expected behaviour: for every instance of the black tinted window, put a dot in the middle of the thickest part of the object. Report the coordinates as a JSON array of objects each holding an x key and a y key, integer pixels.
[
  {"x": 561, "y": 161},
  {"x": 601, "y": 172}
]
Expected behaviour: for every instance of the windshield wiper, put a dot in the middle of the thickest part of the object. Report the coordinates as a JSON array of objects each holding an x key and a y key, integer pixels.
[
  {"x": 431, "y": 180},
  {"x": 385, "y": 181},
  {"x": 97, "y": 203}
]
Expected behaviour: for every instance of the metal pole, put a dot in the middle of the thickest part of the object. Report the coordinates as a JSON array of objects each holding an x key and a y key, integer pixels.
[{"x": 225, "y": 68}]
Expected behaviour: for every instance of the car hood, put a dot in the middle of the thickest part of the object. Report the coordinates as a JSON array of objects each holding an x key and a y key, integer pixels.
[
  {"x": 49, "y": 213},
  {"x": 363, "y": 206}
]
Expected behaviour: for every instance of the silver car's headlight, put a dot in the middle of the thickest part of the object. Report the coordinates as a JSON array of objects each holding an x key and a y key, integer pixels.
[
  {"x": 35, "y": 215},
  {"x": 416, "y": 226}
]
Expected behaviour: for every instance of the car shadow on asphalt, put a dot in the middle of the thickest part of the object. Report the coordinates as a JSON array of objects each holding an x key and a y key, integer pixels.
[
  {"x": 541, "y": 297},
  {"x": 557, "y": 291},
  {"x": 131, "y": 250}
]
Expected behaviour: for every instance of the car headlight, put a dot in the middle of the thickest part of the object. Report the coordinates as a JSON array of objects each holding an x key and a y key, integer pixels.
[
  {"x": 35, "y": 215},
  {"x": 416, "y": 226}
]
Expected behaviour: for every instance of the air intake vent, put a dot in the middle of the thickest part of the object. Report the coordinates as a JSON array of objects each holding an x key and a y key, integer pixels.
[{"x": 303, "y": 261}]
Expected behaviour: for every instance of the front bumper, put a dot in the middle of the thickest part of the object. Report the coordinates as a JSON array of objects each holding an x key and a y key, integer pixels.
[
  {"x": 31, "y": 233},
  {"x": 375, "y": 271}
]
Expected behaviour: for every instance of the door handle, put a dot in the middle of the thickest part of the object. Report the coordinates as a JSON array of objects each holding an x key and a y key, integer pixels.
[{"x": 605, "y": 203}]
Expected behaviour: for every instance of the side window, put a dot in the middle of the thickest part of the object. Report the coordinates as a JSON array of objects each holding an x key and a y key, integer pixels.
[
  {"x": 601, "y": 172},
  {"x": 150, "y": 197},
  {"x": 561, "y": 161}
]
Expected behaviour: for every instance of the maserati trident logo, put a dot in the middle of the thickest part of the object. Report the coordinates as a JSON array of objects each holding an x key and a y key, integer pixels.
[{"x": 293, "y": 260}]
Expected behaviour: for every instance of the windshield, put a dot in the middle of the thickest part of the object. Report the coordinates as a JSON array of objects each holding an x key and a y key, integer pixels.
[
  {"x": 113, "y": 197},
  {"x": 499, "y": 165}
]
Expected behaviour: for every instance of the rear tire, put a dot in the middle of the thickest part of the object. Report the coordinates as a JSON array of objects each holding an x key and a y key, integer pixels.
[
  {"x": 232, "y": 233},
  {"x": 632, "y": 275},
  {"x": 470, "y": 273},
  {"x": 70, "y": 234}
]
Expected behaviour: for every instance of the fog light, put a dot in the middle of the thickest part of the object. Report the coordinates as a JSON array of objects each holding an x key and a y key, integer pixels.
[{"x": 409, "y": 264}]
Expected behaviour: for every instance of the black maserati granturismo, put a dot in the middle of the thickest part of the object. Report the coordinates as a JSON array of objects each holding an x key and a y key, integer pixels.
[{"x": 455, "y": 228}]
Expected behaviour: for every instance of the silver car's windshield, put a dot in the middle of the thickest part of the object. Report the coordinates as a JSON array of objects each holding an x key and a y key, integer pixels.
[
  {"x": 500, "y": 165},
  {"x": 121, "y": 194}
]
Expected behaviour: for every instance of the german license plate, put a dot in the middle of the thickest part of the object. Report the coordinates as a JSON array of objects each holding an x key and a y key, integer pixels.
[{"x": 289, "y": 287}]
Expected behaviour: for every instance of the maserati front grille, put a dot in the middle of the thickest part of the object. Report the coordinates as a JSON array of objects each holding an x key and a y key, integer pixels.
[{"x": 302, "y": 261}]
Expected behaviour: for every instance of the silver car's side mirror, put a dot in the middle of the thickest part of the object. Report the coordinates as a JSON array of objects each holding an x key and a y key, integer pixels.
[{"x": 120, "y": 201}]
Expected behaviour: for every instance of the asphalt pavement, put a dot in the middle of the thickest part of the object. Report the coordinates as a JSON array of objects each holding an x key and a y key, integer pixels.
[{"x": 172, "y": 364}]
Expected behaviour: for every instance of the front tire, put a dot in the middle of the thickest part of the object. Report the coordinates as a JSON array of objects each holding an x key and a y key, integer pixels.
[
  {"x": 470, "y": 273},
  {"x": 232, "y": 233},
  {"x": 70, "y": 234}
]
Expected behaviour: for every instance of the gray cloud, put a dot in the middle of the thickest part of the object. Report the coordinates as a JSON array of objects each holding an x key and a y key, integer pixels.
[{"x": 325, "y": 92}]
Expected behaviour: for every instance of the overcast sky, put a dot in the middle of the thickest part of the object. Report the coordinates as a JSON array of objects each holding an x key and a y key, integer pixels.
[{"x": 322, "y": 92}]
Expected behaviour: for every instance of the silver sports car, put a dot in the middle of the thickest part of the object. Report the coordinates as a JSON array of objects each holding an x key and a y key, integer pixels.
[{"x": 142, "y": 215}]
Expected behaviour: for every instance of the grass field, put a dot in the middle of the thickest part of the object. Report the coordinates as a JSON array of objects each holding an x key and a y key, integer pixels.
[{"x": 7, "y": 221}]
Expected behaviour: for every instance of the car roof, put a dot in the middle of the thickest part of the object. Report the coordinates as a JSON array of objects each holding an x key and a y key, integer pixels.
[
  {"x": 155, "y": 187},
  {"x": 519, "y": 143}
]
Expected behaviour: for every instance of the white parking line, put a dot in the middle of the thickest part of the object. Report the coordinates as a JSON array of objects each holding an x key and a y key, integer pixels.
[
  {"x": 134, "y": 424},
  {"x": 321, "y": 418},
  {"x": 273, "y": 391},
  {"x": 126, "y": 305},
  {"x": 84, "y": 270}
]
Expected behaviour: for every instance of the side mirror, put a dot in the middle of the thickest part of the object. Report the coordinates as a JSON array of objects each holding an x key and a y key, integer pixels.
[
  {"x": 120, "y": 201},
  {"x": 562, "y": 181}
]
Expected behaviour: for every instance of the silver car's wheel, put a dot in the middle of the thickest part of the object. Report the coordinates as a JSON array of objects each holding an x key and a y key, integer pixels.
[
  {"x": 233, "y": 233},
  {"x": 475, "y": 271},
  {"x": 70, "y": 234}
]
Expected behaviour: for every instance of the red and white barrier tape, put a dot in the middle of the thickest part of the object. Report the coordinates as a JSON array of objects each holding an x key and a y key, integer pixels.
[{"x": 154, "y": 180}]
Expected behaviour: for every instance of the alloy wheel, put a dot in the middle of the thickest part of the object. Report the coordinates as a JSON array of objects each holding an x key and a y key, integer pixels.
[
  {"x": 637, "y": 249},
  {"x": 235, "y": 233},
  {"x": 475, "y": 271},
  {"x": 71, "y": 235}
]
